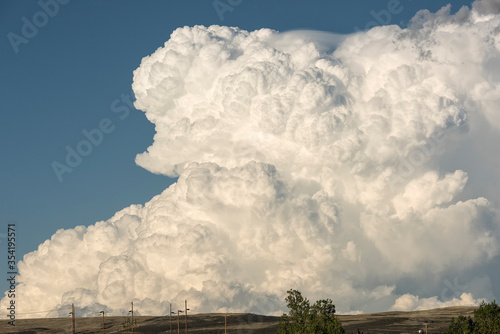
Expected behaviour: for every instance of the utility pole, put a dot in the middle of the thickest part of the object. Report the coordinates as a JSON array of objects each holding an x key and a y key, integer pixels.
[
  {"x": 179, "y": 321},
  {"x": 132, "y": 312},
  {"x": 170, "y": 318},
  {"x": 102, "y": 321},
  {"x": 225, "y": 323},
  {"x": 186, "y": 314},
  {"x": 73, "y": 318},
  {"x": 425, "y": 328}
]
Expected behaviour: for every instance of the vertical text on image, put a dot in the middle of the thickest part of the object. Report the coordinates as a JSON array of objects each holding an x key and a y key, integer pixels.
[{"x": 11, "y": 272}]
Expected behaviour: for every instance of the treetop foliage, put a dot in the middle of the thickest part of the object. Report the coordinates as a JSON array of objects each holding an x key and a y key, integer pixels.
[
  {"x": 304, "y": 318},
  {"x": 486, "y": 321}
]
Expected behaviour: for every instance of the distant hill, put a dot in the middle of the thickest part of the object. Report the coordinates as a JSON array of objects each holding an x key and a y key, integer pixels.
[{"x": 374, "y": 323}]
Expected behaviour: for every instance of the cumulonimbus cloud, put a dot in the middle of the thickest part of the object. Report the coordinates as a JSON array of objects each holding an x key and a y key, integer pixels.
[{"x": 344, "y": 174}]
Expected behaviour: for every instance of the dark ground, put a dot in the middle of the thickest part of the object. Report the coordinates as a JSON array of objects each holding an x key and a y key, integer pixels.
[{"x": 375, "y": 323}]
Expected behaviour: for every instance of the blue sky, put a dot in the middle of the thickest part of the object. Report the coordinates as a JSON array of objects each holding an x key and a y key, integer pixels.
[{"x": 65, "y": 78}]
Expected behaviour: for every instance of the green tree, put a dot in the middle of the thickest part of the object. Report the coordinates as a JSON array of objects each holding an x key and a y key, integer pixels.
[
  {"x": 486, "y": 321},
  {"x": 487, "y": 318},
  {"x": 303, "y": 318},
  {"x": 463, "y": 325}
]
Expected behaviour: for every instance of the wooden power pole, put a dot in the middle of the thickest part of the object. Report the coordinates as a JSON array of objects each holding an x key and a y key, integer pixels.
[
  {"x": 178, "y": 323},
  {"x": 225, "y": 323},
  {"x": 102, "y": 321},
  {"x": 132, "y": 303},
  {"x": 170, "y": 318},
  {"x": 186, "y": 314},
  {"x": 73, "y": 318}
]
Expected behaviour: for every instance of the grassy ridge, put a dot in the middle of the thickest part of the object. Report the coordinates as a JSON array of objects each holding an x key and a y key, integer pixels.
[{"x": 375, "y": 323}]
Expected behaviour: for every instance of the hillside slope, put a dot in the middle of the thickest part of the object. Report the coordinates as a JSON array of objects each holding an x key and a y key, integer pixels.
[{"x": 375, "y": 323}]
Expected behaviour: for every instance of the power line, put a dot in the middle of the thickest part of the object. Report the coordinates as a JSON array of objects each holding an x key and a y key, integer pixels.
[{"x": 39, "y": 311}]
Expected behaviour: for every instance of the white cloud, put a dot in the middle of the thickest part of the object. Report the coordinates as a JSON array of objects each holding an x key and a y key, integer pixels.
[
  {"x": 424, "y": 193},
  {"x": 487, "y": 6},
  {"x": 329, "y": 172},
  {"x": 409, "y": 302}
]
